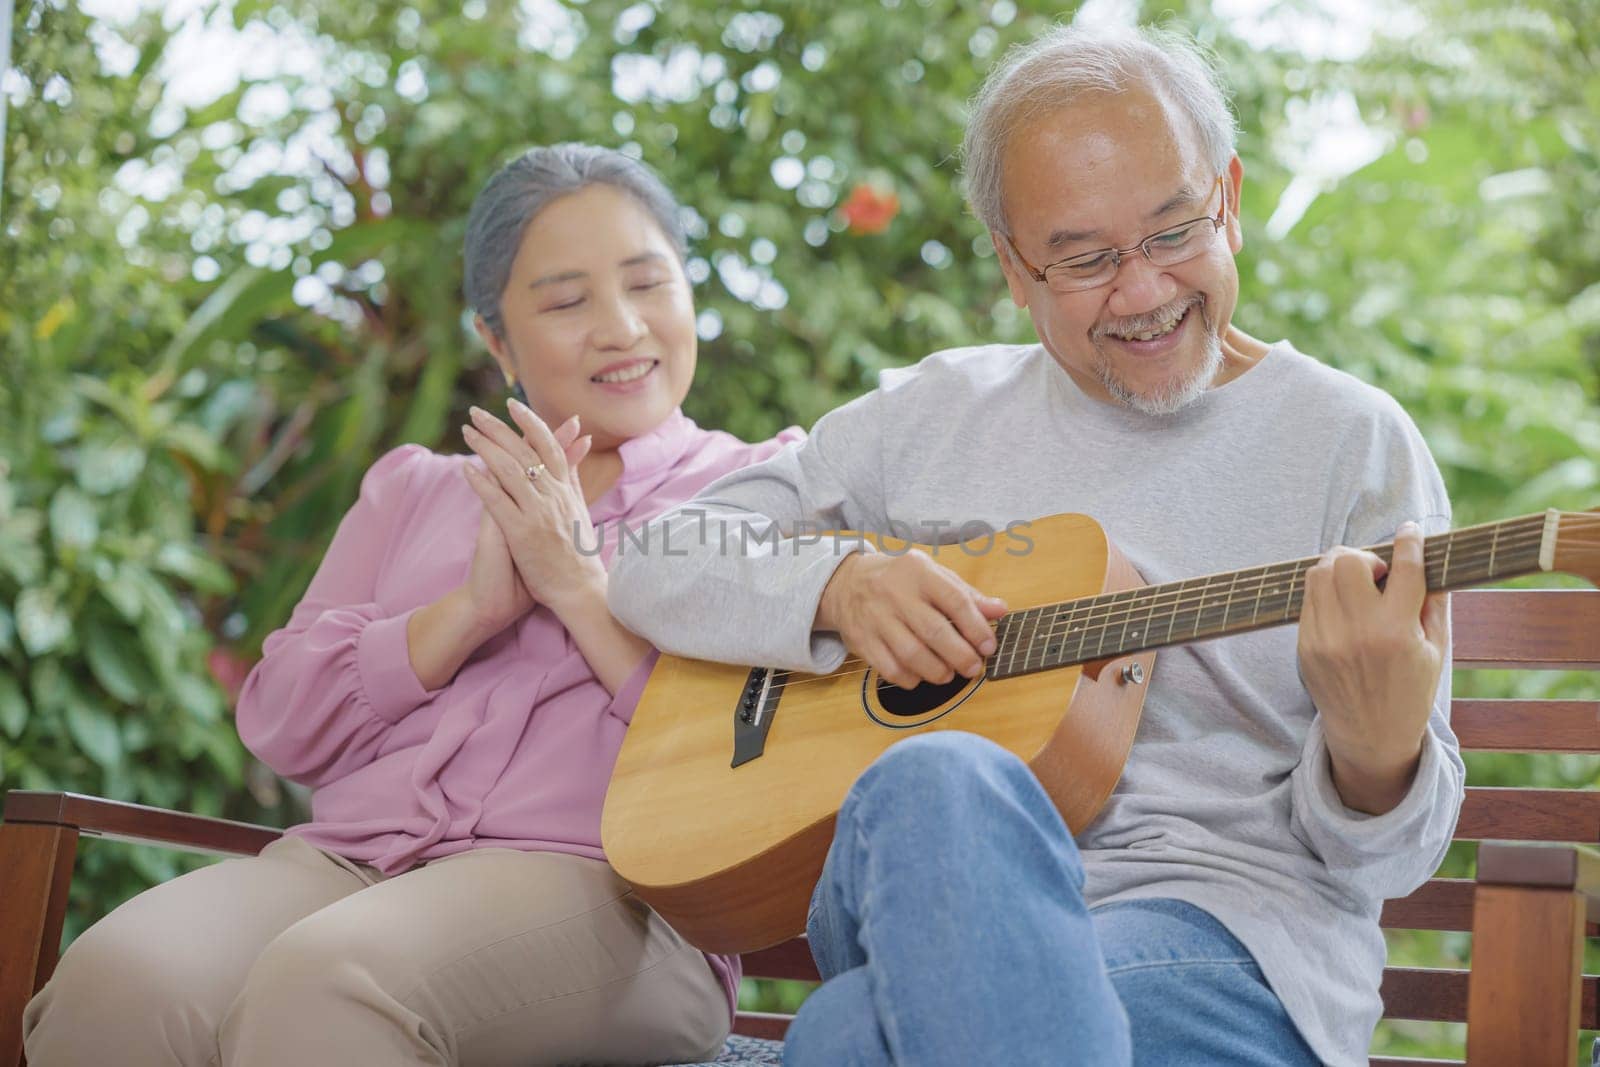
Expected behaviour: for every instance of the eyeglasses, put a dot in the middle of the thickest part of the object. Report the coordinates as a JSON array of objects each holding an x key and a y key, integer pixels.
[{"x": 1173, "y": 245}]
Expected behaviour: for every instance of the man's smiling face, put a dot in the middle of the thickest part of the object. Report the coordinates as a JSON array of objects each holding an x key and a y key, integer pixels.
[{"x": 1106, "y": 172}]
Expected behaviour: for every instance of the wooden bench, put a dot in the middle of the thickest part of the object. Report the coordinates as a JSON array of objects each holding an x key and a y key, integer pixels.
[{"x": 1534, "y": 903}]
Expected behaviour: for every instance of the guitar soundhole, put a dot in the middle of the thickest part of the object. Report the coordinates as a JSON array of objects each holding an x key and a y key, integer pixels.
[{"x": 919, "y": 701}]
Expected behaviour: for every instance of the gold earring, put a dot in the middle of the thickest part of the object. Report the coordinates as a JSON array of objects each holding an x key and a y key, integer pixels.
[{"x": 511, "y": 379}]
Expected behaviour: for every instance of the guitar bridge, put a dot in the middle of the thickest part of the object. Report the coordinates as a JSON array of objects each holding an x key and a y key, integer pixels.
[{"x": 752, "y": 715}]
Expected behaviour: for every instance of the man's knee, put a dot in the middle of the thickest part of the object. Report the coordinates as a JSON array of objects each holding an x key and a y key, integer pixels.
[{"x": 945, "y": 766}]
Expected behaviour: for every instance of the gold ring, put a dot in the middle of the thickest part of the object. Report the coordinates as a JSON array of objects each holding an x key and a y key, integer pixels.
[{"x": 534, "y": 472}]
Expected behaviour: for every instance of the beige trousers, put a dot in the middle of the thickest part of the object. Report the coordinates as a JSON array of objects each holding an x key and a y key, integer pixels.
[{"x": 297, "y": 958}]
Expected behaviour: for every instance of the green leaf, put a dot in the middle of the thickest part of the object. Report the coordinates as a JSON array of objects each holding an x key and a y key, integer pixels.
[
  {"x": 194, "y": 567},
  {"x": 197, "y": 696},
  {"x": 117, "y": 663},
  {"x": 198, "y": 445},
  {"x": 204, "y": 322},
  {"x": 8, "y": 631},
  {"x": 21, "y": 555},
  {"x": 132, "y": 411},
  {"x": 124, "y": 590},
  {"x": 106, "y": 465},
  {"x": 94, "y": 731},
  {"x": 74, "y": 523},
  {"x": 227, "y": 753},
  {"x": 42, "y": 623},
  {"x": 13, "y": 707},
  {"x": 51, "y": 689},
  {"x": 157, "y": 865}
]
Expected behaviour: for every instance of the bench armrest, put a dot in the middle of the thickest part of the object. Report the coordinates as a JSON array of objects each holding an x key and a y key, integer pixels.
[
  {"x": 1528, "y": 994},
  {"x": 1535, "y": 865},
  {"x": 39, "y": 834},
  {"x": 118, "y": 821}
]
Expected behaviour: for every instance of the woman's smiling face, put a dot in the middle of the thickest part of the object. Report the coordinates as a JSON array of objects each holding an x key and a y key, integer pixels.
[{"x": 599, "y": 318}]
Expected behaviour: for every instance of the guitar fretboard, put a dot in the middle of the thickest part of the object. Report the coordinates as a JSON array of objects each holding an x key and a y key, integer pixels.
[{"x": 1115, "y": 624}]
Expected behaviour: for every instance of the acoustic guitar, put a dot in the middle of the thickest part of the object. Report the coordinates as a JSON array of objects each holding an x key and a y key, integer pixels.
[{"x": 723, "y": 801}]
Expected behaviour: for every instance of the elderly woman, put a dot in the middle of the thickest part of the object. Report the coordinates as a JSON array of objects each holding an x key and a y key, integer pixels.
[{"x": 454, "y": 691}]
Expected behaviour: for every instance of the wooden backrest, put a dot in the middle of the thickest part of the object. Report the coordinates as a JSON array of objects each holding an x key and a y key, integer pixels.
[
  {"x": 1517, "y": 630},
  {"x": 1502, "y": 629}
]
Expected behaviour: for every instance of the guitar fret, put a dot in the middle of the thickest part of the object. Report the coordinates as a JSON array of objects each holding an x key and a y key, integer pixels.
[
  {"x": 1297, "y": 590},
  {"x": 1048, "y": 617},
  {"x": 1107, "y": 625},
  {"x": 1059, "y": 630},
  {"x": 1154, "y": 598},
  {"x": 1122, "y": 606},
  {"x": 1035, "y": 616},
  {"x": 1052, "y": 644},
  {"x": 1083, "y": 628},
  {"x": 1008, "y": 649},
  {"x": 1173, "y": 618},
  {"x": 1050, "y": 639},
  {"x": 1227, "y": 601},
  {"x": 1100, "y": 645},
  {"x": 1019, "y": 639},
  {"x": 1021, "y": 643}
]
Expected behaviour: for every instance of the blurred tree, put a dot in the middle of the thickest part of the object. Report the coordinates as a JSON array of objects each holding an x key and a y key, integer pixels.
[{"x": 216, "y": 314}]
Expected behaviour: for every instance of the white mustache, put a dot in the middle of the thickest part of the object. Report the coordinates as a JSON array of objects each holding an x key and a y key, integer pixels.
[{"x": 1154, "y": 320}]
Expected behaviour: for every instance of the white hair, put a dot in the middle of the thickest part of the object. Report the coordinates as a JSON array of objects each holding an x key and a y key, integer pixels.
[{"x": 1066, "y": 62}]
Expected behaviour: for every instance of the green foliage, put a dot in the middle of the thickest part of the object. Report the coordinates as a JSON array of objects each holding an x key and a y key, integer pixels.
[
  {"x": 104, "y": 569},
  {"x": 214, "y": 317}
]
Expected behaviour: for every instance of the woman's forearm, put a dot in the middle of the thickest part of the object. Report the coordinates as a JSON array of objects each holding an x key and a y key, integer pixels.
[
  {"x": 440, "y": 637},
  {"x": 613, "y": 651}
]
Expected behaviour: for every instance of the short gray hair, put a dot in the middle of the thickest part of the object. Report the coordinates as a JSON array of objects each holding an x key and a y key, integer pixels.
[
  {"x": 1066, "y": 62},
  {"x": 526, "y": 186}
]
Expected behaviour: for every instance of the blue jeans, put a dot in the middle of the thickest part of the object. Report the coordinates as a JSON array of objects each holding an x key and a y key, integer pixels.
[{"x": 951, "y": 928}]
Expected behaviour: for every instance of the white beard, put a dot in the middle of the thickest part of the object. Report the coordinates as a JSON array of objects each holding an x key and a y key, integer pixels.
[{"x": 1172, "y": 396}]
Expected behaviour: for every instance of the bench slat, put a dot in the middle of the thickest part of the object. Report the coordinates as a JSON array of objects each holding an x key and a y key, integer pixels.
[
  {"x": 792, "y": 960},
  {"x": 770, "y": 1025},
  {"x": 1440, "y": 995},
  {"x": 1440, "y": 904},
  {"x": 1424, "y": 993},
  {"x": 1527, "y": 725},
  {"x": 1530, "y": 815},
  {"x": 1527, "y": 629}
]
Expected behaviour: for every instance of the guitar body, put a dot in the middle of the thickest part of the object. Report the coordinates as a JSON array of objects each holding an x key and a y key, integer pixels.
[{"x": 729, "y": 854}]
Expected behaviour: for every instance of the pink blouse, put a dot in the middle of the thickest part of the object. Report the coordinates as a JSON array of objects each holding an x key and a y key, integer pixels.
[{"x": 516, "y": 750}]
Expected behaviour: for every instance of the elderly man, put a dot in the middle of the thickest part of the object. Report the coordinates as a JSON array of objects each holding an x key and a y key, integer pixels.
[{"x": 1222, "y": 908}]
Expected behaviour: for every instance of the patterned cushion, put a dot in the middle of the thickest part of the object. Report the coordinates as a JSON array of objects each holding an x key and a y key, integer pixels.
[{"x": 741, "y": 1051}]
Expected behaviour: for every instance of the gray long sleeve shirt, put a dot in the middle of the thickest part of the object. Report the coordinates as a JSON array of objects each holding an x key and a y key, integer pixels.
[{"x": 1227, "y": 800}]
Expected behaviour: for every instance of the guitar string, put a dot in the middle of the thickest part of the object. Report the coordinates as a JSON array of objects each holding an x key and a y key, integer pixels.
[
  {"x": 1292, "y": 572},
  {"x": 1473, "y": 537},
  {"x": 1507, "y": 545}
]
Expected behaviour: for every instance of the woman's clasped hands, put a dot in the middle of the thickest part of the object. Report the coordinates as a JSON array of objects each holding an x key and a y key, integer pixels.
[{"x": 534, "y": 520}]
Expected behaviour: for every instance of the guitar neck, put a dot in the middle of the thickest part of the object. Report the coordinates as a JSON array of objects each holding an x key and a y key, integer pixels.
[{"x": 1196, "y": 609}]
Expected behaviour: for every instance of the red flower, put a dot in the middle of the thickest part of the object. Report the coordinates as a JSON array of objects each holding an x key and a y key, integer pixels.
[
  {"x": 229, "y": 670},
  {"x": 870, "y": 209}
]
